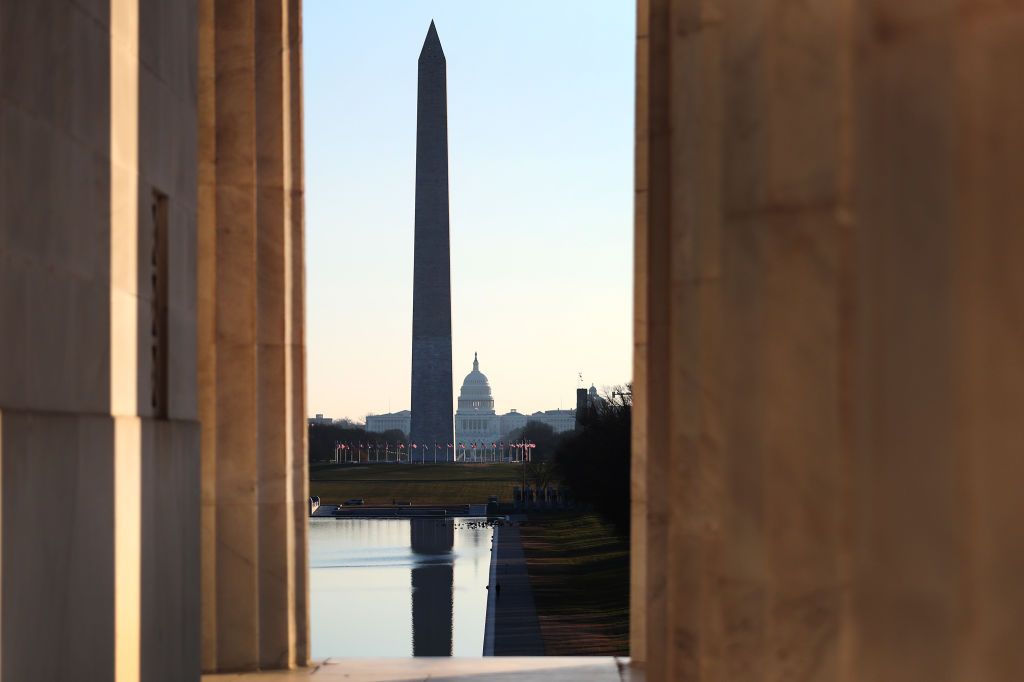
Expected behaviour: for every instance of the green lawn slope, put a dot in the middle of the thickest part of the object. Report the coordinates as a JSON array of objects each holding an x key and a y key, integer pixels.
[{"x": 414, "y": 483}]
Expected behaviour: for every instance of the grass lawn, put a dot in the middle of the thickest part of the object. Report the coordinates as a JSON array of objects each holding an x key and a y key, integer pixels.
[
  {"x": 414, "y": 483},
  {"x": 579, "y": 571}
]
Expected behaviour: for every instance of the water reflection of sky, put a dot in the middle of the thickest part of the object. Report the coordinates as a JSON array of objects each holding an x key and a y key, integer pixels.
[{"x": 363, "y": 573}]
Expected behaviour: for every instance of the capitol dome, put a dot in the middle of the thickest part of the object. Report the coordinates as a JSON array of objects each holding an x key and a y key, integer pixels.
[{"x": 475, "y": 395}]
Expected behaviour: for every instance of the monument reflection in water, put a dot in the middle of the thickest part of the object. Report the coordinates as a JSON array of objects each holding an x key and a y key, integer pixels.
[
  {"x": 396, "y": 587},
  {"x": 432, "y": 590}
]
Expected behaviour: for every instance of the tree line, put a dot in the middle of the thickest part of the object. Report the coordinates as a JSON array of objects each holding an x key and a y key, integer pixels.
[
  {"x": 592, "y": 462},
  {"x": 323, "y": 437}
]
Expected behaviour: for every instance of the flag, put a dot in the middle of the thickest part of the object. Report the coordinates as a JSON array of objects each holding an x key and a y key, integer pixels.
[{"x": 414, "y": 445}]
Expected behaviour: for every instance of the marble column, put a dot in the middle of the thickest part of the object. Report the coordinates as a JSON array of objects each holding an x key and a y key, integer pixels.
[
  {"x": 97, "y": 370},
  {"x": 937, "y": 544},
  {"x": 296, "y": 320},
  {"x": 825, "y": 356},
  {"x": 275, "y": 263},
  {"x": 252, "y": 378},
  {"x": 236, "y": 388}
]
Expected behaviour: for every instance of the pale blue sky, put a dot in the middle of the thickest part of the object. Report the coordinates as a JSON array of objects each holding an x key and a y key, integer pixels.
[{"x": 540, "y": 131}]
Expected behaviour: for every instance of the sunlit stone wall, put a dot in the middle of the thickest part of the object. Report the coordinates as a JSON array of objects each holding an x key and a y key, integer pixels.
[
  {"x": 151, "y": 278},
  {"x": 100, "y": 439}
]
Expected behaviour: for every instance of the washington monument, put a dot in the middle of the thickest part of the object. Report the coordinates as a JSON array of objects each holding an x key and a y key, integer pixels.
[{"x": 431, "y": 419}]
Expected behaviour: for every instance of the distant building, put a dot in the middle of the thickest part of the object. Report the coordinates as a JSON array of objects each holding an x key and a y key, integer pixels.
[
  {"x": 392, "y": 421},
  {"x": 586, "y": 402},
  {"x": 559, "y": 420},
  {"x": 344, "y": 422},
  {"x": 475, "y": 420},
  {"x": 512, "y": 421}
]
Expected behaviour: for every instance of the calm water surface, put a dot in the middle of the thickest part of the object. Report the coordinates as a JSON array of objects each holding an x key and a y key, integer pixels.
[{"x": 398, "y": 587}]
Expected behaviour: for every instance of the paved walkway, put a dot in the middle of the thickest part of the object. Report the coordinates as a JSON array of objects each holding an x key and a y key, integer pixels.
[
  {"x": 516, "y": 628},
  {"x": 547, "y": 669}
]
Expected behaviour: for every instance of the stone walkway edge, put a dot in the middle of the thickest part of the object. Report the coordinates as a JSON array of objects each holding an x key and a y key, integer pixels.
[{"x": 516, "y": 628}]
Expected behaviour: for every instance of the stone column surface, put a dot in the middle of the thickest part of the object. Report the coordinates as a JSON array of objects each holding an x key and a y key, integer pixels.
[
  {"x": 97, "y": 359},
  {"x": 828, "y": 368},
  {"x": 251, "y": 316},
  {"x": 432, "y": 299}
]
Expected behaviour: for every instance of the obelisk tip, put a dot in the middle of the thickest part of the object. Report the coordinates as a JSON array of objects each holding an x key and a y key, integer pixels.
[{"x": 432, "y": 45}]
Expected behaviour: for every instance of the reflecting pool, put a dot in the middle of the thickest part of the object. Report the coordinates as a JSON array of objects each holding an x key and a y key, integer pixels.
[{"x": 398, "y": 587}]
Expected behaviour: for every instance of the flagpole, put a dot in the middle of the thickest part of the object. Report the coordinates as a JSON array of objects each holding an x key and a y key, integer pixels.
[{"x": 523, "y": 461}]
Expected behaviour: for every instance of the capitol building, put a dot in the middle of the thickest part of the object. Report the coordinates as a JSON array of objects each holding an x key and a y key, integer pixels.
[{"x": 475, "y": 419}]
